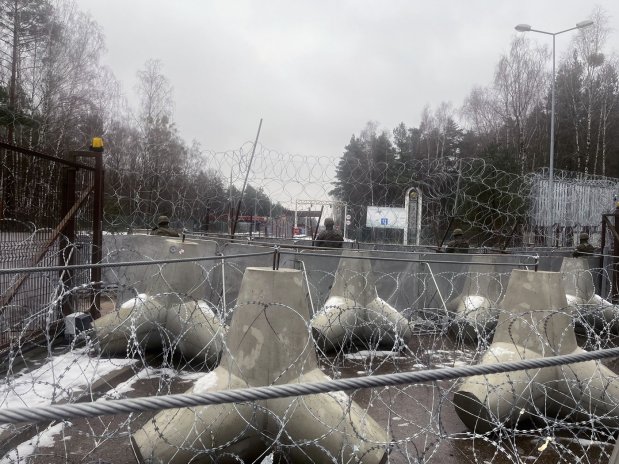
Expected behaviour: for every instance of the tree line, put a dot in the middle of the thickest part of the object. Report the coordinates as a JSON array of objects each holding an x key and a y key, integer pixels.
[
  {"x": 505, "y": 123},
  {"x": 55, "y": 94}
]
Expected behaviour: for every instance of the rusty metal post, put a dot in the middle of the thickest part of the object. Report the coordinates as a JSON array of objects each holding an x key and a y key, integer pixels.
[
  {"x": 615, "y": 270},
  {"x": 97, "y": 236},
  {"x": 67, "y": 240},
  {"x": 602, "y": 253}
]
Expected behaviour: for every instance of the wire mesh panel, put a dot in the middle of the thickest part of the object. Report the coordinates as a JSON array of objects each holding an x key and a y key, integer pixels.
[{"x": 38, "y": 194}]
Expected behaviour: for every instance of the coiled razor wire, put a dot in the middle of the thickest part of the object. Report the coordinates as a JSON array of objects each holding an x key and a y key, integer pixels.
[{"x": 127, "y": 406}]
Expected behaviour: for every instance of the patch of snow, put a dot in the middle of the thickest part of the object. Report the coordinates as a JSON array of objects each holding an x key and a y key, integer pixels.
[
  {"x": 363, "y": 354},
  {"x": 60, "y": 378},
  {"x": 586, "y": 443},
  {"x": 500, "y": 351},
  {"x": 453, "y": 364},
  {"x": 22, "y": 453},
  {"x": 205, "y": 383},
  {"x": 146, "y": 374}
]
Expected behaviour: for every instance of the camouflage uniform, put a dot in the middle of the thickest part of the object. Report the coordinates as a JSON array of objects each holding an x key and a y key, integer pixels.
[
  {"x": 584, "y": 248},
  {"x": 163, "y": 229},
  {"x": 459, "y": 244},
  {"x": 329, "y": 237}
]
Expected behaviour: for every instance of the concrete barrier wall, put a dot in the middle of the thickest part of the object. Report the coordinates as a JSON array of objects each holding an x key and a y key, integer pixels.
[
  {"x": 192, "y": 278},
  {"x": 411, "y": 286}
]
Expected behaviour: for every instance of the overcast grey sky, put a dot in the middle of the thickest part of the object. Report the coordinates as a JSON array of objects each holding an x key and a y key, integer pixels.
[{"x": 317, "y": 70}]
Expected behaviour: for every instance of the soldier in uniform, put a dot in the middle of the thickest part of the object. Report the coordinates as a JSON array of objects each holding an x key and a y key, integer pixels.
[
  {"x": 584, "y": 248},
  {"x": 163, "y": 228},
  {"x": 329, "y": 237},
  {"x": 459, "y": 244}
]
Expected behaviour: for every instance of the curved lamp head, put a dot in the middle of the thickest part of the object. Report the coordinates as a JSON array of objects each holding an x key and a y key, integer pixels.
[
  {"x": 585, "y": 23},
  {"x": 523, "y": 27}
]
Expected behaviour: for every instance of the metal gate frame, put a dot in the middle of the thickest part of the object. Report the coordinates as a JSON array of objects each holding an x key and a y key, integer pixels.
[{"x": 64, "y": 232}]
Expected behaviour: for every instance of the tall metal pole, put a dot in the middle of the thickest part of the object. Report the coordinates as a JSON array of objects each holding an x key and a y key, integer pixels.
[
  {"x": 551, "y": 193},
  {"x": 238, "y": 207},
  {"x": 552, "y": 146}
]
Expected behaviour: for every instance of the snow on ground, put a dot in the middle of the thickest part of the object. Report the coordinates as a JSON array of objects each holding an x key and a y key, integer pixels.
[
  {"x": 22, "y": 452},
  {"x": 148, "y": 373},
  {"x": 61, "y": 377},
  {"x": 364, "y": 354}
]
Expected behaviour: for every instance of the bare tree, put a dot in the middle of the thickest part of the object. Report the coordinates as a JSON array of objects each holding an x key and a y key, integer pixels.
[
  {"x": 588, "y": 51},
  {"x": 520, "y": 83},
  {"x": 481, "y": 114}
]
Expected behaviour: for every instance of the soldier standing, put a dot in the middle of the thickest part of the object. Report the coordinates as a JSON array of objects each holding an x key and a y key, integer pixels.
[
  {"x": 163, "y": 228},
  {"x": 329, "y": 237},
  {"x": 584, "y": 248},
  {"x": 459, "y": 244}
]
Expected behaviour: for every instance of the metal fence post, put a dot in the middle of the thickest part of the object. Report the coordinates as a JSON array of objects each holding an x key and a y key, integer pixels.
[
  {"x": 615, "y": 295},
  {"x": 97, "y": 235},
  {"x": 67, "y": 239}
]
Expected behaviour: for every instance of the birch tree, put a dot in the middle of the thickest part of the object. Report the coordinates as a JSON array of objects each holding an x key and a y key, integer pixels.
[{"x": 520, "y": 83}]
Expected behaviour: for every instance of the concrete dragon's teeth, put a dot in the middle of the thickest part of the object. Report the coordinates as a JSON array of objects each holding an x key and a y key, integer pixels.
[
  {"x": 535, "y": 323},
  {"x": 354, "y": 313},
  {"x": 269, "y": 343}
]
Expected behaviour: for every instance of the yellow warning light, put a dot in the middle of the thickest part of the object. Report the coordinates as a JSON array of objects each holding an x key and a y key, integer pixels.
[{"x": 97, "y": 144}]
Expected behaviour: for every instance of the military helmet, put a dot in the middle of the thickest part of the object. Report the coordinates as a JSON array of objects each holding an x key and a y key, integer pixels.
[
  {"x": 457, "y": 232},
  {"x": 584, "y": 236},
  {"x": 163, "y": 220},
  {"x": 329, "y": 222}
]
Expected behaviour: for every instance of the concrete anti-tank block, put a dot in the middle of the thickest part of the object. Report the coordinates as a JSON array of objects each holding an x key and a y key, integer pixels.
[
  {"x": 269, "y": 343},
  {"x": 535, "y": 323},
  {"x": 354, "y": 313},
  {"x": 473, "y": 313},
  {"x": 591, "y": 310},
  {"x": 150, "y": 322}
]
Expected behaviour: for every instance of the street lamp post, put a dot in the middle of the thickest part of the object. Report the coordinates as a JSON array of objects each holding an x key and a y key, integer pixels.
[{"x": 528, "y": 28}]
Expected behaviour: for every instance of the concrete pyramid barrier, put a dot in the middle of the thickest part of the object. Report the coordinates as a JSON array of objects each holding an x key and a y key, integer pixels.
[
  {"x": 474, "y": 312},
  {"x": 269, "y": 343},
  {"x": 162, "y": 322},
  {"x": 590, "y": 309},
  {"x": 170, "y": 312},
  {"x": 534, "y": 323},
  {"x": 354, "y": 313}
]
